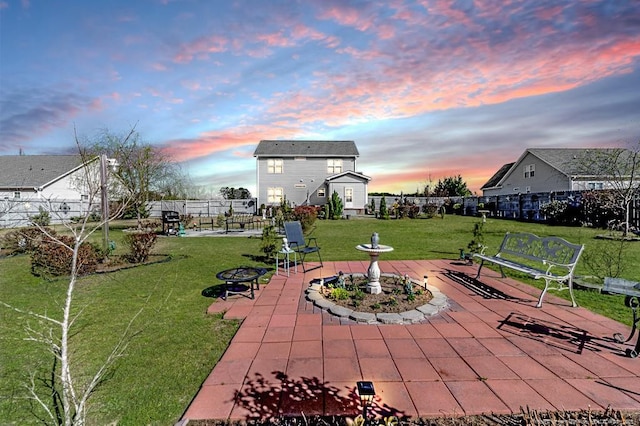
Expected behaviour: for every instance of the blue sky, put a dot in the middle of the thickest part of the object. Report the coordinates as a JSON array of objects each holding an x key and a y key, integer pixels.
[{"x": 426, "y": 89}]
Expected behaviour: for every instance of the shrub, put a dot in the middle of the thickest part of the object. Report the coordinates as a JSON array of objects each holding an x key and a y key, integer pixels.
[
  {"x": 269, "y": 238},
  {"x": 599, "y": 208},
  {"x": 561, "y": 213},
  {"x": 53, "y": 257},
  {"x": 43, "y": 218},
  {"x": 25, "y": 240},
  {"x": 476, "y": 243},
  {"x": 140, "y": 244},
  {"x": 339, "y": 294},
  {"x": 430, "y": 210},
  {"x": 384, "y": 212},
  {"x": 335, "y": 207},
  {"x": 307, "y": 216}
]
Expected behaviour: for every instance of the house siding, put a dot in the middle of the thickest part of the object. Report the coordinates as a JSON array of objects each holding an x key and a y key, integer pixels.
[
  {"x": 546, "y": 179},
  {"x": 300, "y": 177}
]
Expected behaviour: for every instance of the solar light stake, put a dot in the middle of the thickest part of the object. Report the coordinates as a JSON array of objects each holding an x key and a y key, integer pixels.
[
  {"x": 366, "y": 392},
  {"x": 425, "y": 280}
]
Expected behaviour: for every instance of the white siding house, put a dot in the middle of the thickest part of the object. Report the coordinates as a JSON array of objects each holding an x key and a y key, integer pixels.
[
  {"x": 43, "y": 177},
  {"x": 307, "y": 173}
]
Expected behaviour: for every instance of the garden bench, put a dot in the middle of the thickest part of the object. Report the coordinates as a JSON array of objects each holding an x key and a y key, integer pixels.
[
  {"x": 631, "y": 292},
  {"x": 552, "y": 259},
  {"x": 205, "y": 222},
  {"x": 241, "y": 219}
]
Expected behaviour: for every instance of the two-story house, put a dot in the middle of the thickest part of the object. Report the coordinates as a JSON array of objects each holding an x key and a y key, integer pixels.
[
  {"x": 308, "y": 172},
  {"x": 549, "y": 170}
]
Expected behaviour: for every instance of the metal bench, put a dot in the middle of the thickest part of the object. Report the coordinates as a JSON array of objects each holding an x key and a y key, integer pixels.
[
  {"x": 552, "y": 259},
  {"x": 631, "y": 291},
  {"x": 241, "y": 219}
]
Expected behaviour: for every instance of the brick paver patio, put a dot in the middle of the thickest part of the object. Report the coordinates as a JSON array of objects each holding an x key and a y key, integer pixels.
[{"x": 480, "y": 355}]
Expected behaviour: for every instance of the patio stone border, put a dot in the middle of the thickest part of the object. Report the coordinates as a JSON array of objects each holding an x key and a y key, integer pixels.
[{"x": 438, "y": 303}]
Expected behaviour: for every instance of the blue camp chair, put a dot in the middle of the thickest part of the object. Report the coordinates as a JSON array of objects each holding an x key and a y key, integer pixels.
[{"x": 300, "y": 245}]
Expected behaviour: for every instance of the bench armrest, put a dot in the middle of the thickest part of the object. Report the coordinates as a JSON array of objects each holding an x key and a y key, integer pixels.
[{"x": 568, "y": 266}]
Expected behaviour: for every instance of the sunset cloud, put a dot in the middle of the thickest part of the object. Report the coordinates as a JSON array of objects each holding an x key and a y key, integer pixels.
[{"x": 424, "y": 87}]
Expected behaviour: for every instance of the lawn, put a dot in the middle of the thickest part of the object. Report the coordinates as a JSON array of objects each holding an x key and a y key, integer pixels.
[{"x": 177, "y": 343}]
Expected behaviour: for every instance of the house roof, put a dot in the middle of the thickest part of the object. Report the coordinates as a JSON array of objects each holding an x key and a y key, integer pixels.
[
  {"x": 35, "y": 171},
  {"x": 497, "y": 177},
  {"x": 348, "y": 172},
  {"x": 301, "y": 148},
  {"x": 572, "y": 162}
]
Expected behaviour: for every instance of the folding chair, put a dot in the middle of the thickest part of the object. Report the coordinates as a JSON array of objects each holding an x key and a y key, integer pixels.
[{"x": 297, "y": 242}]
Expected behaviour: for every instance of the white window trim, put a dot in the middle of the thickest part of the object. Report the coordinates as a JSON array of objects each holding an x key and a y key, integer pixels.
[
  {"x": 334, "y": 166},
  {"x": 275, "y": 166},
  {"x": 529, "y": 171},
  {"x": 275, "y": 195},
  {"x": 348, "y": 195}
]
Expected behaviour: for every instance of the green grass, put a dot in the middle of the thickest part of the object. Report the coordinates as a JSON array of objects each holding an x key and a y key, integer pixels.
[{"x": 178, "y": 343}]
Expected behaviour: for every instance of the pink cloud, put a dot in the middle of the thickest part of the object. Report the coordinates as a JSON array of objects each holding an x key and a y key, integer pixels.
[
  {"x": 209, "y": 143},
  {"x": 201, "y": 48}
]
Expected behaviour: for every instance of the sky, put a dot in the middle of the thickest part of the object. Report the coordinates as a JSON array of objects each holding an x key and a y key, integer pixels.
[{"x": 426, "y": 88}]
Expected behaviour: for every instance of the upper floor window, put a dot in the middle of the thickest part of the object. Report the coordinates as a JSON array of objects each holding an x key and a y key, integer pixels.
[
  {"x": 16, "y": 194},
  {"x": 274, "y": 165},
  {"x": 529, "y": 171},
  {"x": 334, "y": 166},
  {"x": 321, "y": 192}
]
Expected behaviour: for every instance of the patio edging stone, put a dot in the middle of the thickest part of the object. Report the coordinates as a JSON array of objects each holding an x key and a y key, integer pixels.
[{"x": 438, "y": 303}]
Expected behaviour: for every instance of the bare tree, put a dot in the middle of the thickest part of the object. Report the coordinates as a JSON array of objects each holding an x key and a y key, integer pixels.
[
  {"x": 619, "y": 170},
  {"x": 143, "y": 170},
  {"x": 67, "y": 393}
]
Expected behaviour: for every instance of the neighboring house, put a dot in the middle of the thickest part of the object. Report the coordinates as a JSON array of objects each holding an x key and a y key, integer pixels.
[
  {"x": 55, "y": 183},
  {"x": 546, "y": 170},
  {"x": 308, "y": 172},
  {"x": 42, "y": 177}
]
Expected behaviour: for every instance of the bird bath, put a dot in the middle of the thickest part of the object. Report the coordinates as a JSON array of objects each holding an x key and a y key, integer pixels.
[{"x": 373, "y": 273}]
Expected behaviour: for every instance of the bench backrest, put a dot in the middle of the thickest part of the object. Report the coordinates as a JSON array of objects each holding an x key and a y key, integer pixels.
[
  {"x": 534, "y": 248},
  {"x": 293, "y": 230}
]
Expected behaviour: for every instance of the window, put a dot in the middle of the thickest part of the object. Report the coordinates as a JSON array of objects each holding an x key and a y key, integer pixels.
[
  {"x": 348, "y": 195},
  {"x": 529, "y": 171},
  {"x": 16, "y": 194},
  {"x": 334, "y": 166},
  {"x": 274, "y": 195},
  {"x": 595, "y": 185},
  {"x": 321, "y": 192},
  {"x": 274, "y": 165},
  {"x": 84, "y": 197}
]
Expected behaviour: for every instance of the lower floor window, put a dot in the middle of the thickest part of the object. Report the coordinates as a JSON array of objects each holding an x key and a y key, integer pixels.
[
  {"x": 274, "y": 195},
  {"x": 348, "y": 195}
]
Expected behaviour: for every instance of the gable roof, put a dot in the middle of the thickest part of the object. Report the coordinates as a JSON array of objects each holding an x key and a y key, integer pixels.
[
  {"x": 35, "y": 171},
  {"x": 568, "y": 161},
  {"x": 301, "y": 148},
  {"x": 348, "y": 172},
  {"x": 497, "y": 177}
]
